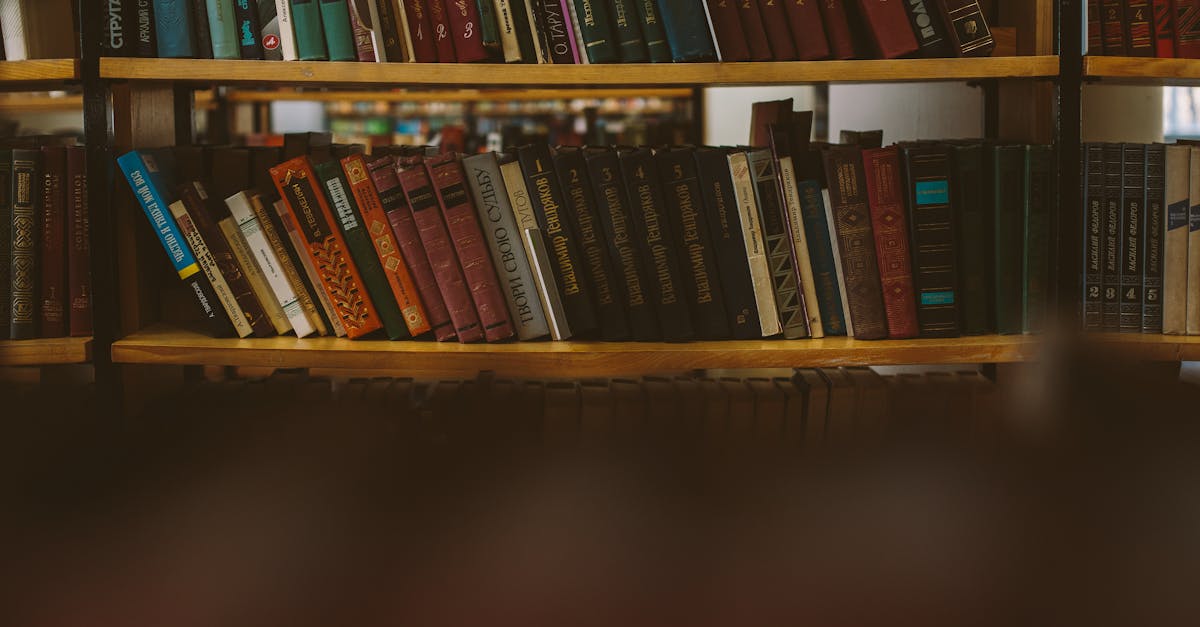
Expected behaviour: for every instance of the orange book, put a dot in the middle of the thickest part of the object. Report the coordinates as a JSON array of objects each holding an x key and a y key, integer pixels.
[
  {"x": 298, "y": 187},
  {"x": 386, "y": 247}
]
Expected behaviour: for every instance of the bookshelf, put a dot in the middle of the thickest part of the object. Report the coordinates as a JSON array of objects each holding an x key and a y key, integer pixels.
[
  {"x": 1142, "y": 70},
  {"x": 46, "y": 352},
  {"x": 34, "y": 73}
]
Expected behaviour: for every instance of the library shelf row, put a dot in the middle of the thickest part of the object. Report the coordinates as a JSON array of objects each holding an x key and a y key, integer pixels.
[{"x": 46, "y": 352}]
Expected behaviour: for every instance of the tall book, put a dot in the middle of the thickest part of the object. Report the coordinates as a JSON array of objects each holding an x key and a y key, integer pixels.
[
  {"x": 222, "y": 28},
  {"x": 752, "y": 27},
  {"x": 394, "y": 36},
  {"x": 263, "y": 204},
  {"x": 328, "y": 312},
  {"x": 1139, "y": 28},
  {"x": 300, "y": 189},
  {"x": 972, "y": 201},
  {"x": 1113, "y": 244},
  {"x": 1093, "y": 247},
  {"x": 557, "y": 31},
  {"x": 627, "y": 29},
  {"x": 687, "y": 30},
  {"x": 253, "y": 271},
  {"x": 12, "y": 25},
  {"x": 1187, "y": 29},
  {"x": 1112, "y": 24},
  {"x": 885, "y": 195},
  {"x": 512, "y": 41},
  {"x": 1009, "y": 214},
  {"x": 117, "y": 38},
  {"x": 727, "y": 30},
  {"x": 725, "y": 226},
  {"x": 420, "y": 31},
  {"x": 789, "y": 295},
  {"x": 364, "y": 38},
  {"x": 439, "y": 18},
  {"x": 339, "y": 37},
  {"x": 930, "y": 30},
  {"x": 934, "y": 254},
  {"x": 1154, "y": 227},
  {"x": 1164, "y": 29},
  {"x": 310, "y": 34},
  {"x": 1095, "y": 29},
  {"x": 1040, "y": 194},
  {"x": 204, "y": 48},
  {"x": 489, "y": 29},
  {"x": 837, "y": 28},
  {"x": 888, "y": 27},
  {"x": 508, "y": 252},
  {"x": 79, "y": 277},
  {"x": 808, "y": 30},
  {"x": 466, "y": 31},
  {"x": 580, "y": 49},
  {"x": 1133, "y": 237},
  {"x": 968, "y": 28},
  {"x": 775, "y": 23},
  {"x": 52, "y": 253},
  {"x": 548, "y": 290},
  {"x": 249, "y": 30},
  {"x": 793, "y": 206},
  {"x": 26, "y": 197},
  {"x": 596, "y": 29},
  {"x": 1175, "y": 241},
  {"x": 856, "y": 242},
  {"x": 6, "y": 225},
  {"x": 1193, "y": 304},
  {"x": 173, "y": 29},
  {"x": 652, "y": 29},
  {"x": 208, "y": 265},
  {"x": 810, "y": 171}
]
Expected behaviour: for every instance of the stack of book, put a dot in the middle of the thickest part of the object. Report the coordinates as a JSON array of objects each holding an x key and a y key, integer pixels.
[
  {"x": 547, "y": 31},
  {"x": 921, "y": 239},
  {"x": 35, "y": 30},
  {"x": 45, "y": 285},
  {"x": 1144, "y": 28}
]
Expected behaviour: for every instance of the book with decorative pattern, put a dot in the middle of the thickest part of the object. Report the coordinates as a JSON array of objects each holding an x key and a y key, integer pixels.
[
  {"x": 968, "y": 28},
  {"x": 856, "y": 241},
  {"x": 1139, "y": 28},
  {"x": 789, "y": 295},
  {"x": 934, "y": 249},
  {"x": 26, "y": 197},
  {"x": 889, "y": 223}
]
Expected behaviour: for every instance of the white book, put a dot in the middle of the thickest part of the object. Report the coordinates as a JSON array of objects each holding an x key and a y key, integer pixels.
[
  {"x": 209, "y": 265},
  {"x": 756, "y": 251},
  {"x": 508, "y": 31},
  {"x": 314, "y": 277},
  {"x": 287, "y": 36},
  {"x": 837, "y": 262},
  {"x": 1175, "y": 243},
  {"x": 12, "y": 26},
  {"x": 268, "y": 263},
  {"x": 547, "y": 287},
  {"x": 1193, "y": 305},
  {"x": 800, "y": 255}
]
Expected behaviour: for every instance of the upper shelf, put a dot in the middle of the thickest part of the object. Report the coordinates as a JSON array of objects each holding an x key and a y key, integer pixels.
[
  {"x": 37, "y": 72},
  {"x": 481, "y": 75},
  {"x": 1142, "y": 69}
]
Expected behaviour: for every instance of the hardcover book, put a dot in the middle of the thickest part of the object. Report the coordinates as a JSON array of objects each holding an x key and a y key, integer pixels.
[
  {"x": 364, "y": 38},
  {"x": 204, "y": 49},
  {"x": 250, "y": 267},
  {"x": 466, "y": 31},
  {"x": 547, "y": 288},
  {"x": 175, "y": 35},
  {"x": 443, "y": 39},
  {"x": 627, "y": 28},
  {"x": 885, "y": 193},
  {"x": 79, "y": 277},
  {"x": 775, "y": 23},
  {"x": 1113, "y": 28},
  {"x": 275, "y": 30},
  {"x": 117, "y": 41},
  {"x": 249, "y": 28},
  {"x": 856, "y": 242},
  {"x": 821, "y": 252},
  {"x": 420, "y": 31},
  {"x": 6, "y": 226},
  {"x": 268, "y": 262},
  {"x": 1175, "y": 241},
  {"x": 1187, "y": 29},
  {"x": 393, "y": 44},
  {"x": 1164, "y": 29},
  {"x": 687, "y": 30},
  {"x": 654, "y": 32},
  {"x": 727, "y": 30},
  {"x": 929, "y": 28},
  {"x": 339, "y": 38},
  {"x": 1193, "y": 304},
  {"x": 1113, "y": 244},
  {"x": 752, "y": 27},
  {"x": 1093, "y": 243},
  {"x": 1009, "y": 212},
  {"x": 1133, "y": 237},
  {"x": 489, "y": 30},
  {"x": 222, "y": 28},
  {"x": 208, "y": 264},
  {"x": 934, "y": 254},
  {"x": 888, "y": 27},
  {"x": 286, "y": 253},
  {"x": 328, "y": 309},
  {"x": 557, "y": 31},
  {"x": 789, "y": 295},
  {"x": 757, "y": 256},
  {"x": 808, "y": 30},
  {"x": 1139, "y": 28},
  {"x": 1154, "y": 225},
  {"x": 725, "y": 226},
  {"x": 512, "y": 42},
  {"x": 971, "y": 180},
  {"x": 26, "y": 197},
  {"x": 789, "y": 188},
  {"x": 52, "y": 256},
  {"x": 525, "y": 21},
  {"x": 310, "y": 34},
  {"x": 968, "y": 28},
  {"x": 1041, "y": 191},
  {"x": 837, "y": 28}
]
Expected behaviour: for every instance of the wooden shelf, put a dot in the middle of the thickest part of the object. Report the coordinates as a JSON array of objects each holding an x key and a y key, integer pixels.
[
  {"x": 1142, "y": 70},
  {"x": 170, "y": 345},
  {"x": 47, "y": 352},
  {"x": 18, "y": 74},
  {"x": 453, "y": 95},
  {"x": 661, "y": 75}
]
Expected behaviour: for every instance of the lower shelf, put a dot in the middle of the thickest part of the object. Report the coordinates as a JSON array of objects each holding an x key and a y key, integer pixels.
[
  {"x": 46, "y": 352},
  {"x": 172, "y": 345}
]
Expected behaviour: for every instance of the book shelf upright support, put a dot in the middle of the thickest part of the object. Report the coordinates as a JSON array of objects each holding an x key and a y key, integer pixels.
[{"x": 1068, "y": 229}]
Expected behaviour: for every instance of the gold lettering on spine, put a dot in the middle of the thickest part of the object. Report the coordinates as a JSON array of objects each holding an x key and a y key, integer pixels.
[
  {"x": 558, "y": 239},
  {"x": 658, "y": 250},
  {"x": 695, "y": 250}
]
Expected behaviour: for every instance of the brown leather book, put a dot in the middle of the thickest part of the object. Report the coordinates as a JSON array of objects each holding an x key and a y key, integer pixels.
[
  {"x": 856, "y": 241},
  {"x": 808, "y": 30},
  {"x": 52, "y": 288},
  {"x": 885, "y": 191},
  {"x": 837, "y": 29},
  {"x": 446, "y": 173},
  {"x": 968, "y": 28},
  {"x": 775, "y": 23},
  {"x": 442, "y": 39},
  {"x": 752, "y": 26},
  {"x": 888, "y": 27},
  {"x": 79, "y": 277},
  {"x": 727, "y": 28}
]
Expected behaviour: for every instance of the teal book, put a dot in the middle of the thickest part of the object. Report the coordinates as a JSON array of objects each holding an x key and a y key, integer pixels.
[
  {"x": 222, "y": 28},
  {"x": 310, "y": 35},
  {"x": 173, "y": 24},
  {"x": 595, "y": 26},
  {"x": 339, "y": 37},
  {"x": 687, "y": 29},
  {"x": 655, "y": 35}
]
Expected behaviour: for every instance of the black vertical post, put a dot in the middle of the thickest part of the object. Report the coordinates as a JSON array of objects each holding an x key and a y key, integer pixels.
[
  {"x": 1066, "y": 231},
  {"x": 991, "y": 108},
  {"x": 698, "y": 122}
]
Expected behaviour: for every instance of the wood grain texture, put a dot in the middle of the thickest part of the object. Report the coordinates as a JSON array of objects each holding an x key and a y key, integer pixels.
[
  {"x": 47, "y": 352},
  {"x": 38, "y": 71},
  {"x": 1142, "y": 70},
  {"x": 674, "y": 74},
  {"x": 454, "y": 95}
]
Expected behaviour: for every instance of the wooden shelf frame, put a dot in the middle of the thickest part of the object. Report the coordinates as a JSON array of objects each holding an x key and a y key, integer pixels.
[
  {"x": 46, "y": 352},
  {"x": 1142, "y": 70},
  {"x": 35, "y": 73}
]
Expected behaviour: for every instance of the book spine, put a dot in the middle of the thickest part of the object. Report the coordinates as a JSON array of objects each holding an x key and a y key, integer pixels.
[
  {"x": 578, "y": 49},
  {"x": 1008, "y": 267},
  {"x": 856, "y": 243},
  {"x": 489, "y": 28},
  {"x": 595, "y": 27},
  {"x": 6, "y": 226},
  {"x": 1093, "y": 257},
  {"x": 279, "y": 289},
  {"x": 1175, "y": 242},
  {"x": 726, "y": 29},
  {"x": 801, "y": 258},
  {"x": 254, "y": 275},
  {"x": 1139, "y": 28},
  {"x": 887, "y": 25},
  {"x": 837, "y": 28},
  {"x": 204, "y": 49},
  {"x": 222, "y": 28},
  {"x": 724, "y": 224},
  {"x": 173, "y": 28},
  {"x": 510, "y": 39},
  {"x": 556, "y": 31},
  {"x": 1154, "y": 229},
  {"x": 79, "y": 278},
  {"x": 1113, "y": 28},
  {"x": 789, "y": 296},
  {"x": 392, "y": 46},
  {"x": 756, "y": 248},
  {"x": 287, "y": 30},
  {"x": 929, "y": 28},
  {"x": 808, "y": 31},
  {"x": 508, "y": 253},
  {"x": 288, "y": 222},
  {"x": 549, "y": 205},
  {"x": 310, "y": 35},
  {"x": 1187, "y": 29},
  {"x": 824, "y": 260},
  {"x": 442, "y": 38},
  {"x": 547, "y": 288},
  {"x": 1193, "y": 304},
  {"x": 25, "y": 195},
  {"x": 1040, "y": 193},
  {"x": 208, "y": 264},
  {"x": 117, "y": 41},
  {"x": 752, "y": 28},
  {"x": 631, "y": 43},
  {"x": 687, "y": 30},
  {"x": 973, "y": 222},
  {"x": 248, "y": 28},
  {"x": 968, "y": 28},
  {"x": 364, "y": 39},
  {"x": 1133, "y": 237},
  {"x": 466, "y": 31},
  {"x": 1113, "y": 218},
  {"x": 339, "y": 38},
  {"x": 657, "y": 48},
  {"x": 421, "y": 33},
  {"x": 1095, "y": 29},
  {"x": 423, "y": 203},
  {"x": 291, "y": 274},
  {"x": 12, "y": 23},
  {"x": 629, "y": 271},
  {"x": 146, "y": 37},
  {"x": 775, "y": 24},
  {"x": 52, "y": 256},
  {"x": 934, "y": 255},
  {"x": 306, "y": 204},
  {"x": 1164, "y": 29},
  {"x": 885, "y": 195},
  {"x": 525, "y": 22},
  {"x": 270, "y": 33}
]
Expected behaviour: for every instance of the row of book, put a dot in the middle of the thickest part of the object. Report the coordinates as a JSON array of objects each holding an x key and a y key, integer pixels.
[
  {"x": 1144, "y": 28},
  {"x": 34, "y": 29},
  {"x": 1141, "y": 261},
  {"x": 546, "y": 31},
  {"x": 45, "y": 281},
  {"x": 797, "y": 240}
]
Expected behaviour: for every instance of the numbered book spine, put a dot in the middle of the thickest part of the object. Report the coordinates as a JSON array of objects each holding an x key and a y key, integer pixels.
[
  {"x": 793, "y": 215},
  {"x": 1009, "y": 212},
  {"x": 856, "y": 242},
  {"x": 283, "y": 252},
  {"x": 885, "y": 191},
  {"x": 543, "y": 274},
  {"x": 657, "y": 48},
  {"x": 423, "y": 203},
  {"x": 222, "y": 28},
  {"x": 339, "y": 36},
  {"x": 775, "y": 23},
  {"x": 1113, "y": 218},
  {"x": 1175, "y": 242},
  {"x": 727, "y": 30},
  {"x": 687, "y": 30},
  {"x": 789, "y": 297},
  {"x": 934, "y": 250},
  {"x": 466, "y": 31},
  {"x": 1164, "y": 29},
  {"x": 729, "y": 247},
  {"x": 145, "y": 43},
  {"x": 288, "y": 222},
  {"x": 1093, "y": 255},
  {"x": 1139, "y": 28},
  {"x": 1154, "y": 228},
  {"x": 837, "y": 28},
  {"x": 1133, "y": 237},
  {"x": 340, "y": 279},
  {"x": 1193, "y": 304},
  {"x": 1041, "y": 186},
  {"x": 310, "y": 35},
  {"x": 204, "y": 49},
  {"x": 631, "y": 43},
  {"x": 79, "y": 278},
  {"x": 173, "y": 29},
  {"x": 1187, "y": 29},
  {"x": 52, "y": 255},
  {"x": 1113, "y": 28},
  {"x": 421, "y": 33},
  {"x": 208, "y": 264},
  {"x": 930, "y": 30},
  {"x": 596, "y": 30},
  {"x": 808, "y": 30},
  {"x": 968, "y": 28},
  {"x": 888, "y": 28},
  {"x": 757, "y": 259},
  {"x": 439, "y": 18},
  {"x": 272, "y": 270}
]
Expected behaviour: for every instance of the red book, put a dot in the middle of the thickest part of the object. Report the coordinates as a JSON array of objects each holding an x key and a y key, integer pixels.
[
  {"x": 1139, "y": 28},
  {"x": 1113, "y": 28},
  {"x": 889, "y": 28},
  {"x": 775, "y": 22},
  {"x": 463, "y": 16},
  {"x": 727, "y": 26},
  {"x": 462, "y": 222},
  {"x": 752, "y": 27},
  {"x": 420, "y": 31},
  {"x": 364, "y": 47},
  {"x": 1164, "y": 29},
  {"x": 837, "y": 28},
  {"x": 52, "y": 293},
  {"x": 376, "y": 222},
  {"x": 440, "y": 20},
  {"x": 804, "y": 17},
  {"x": 1095, "y": 28},
  {"x": 1187, "y": 29},
  {"x": 885, "y": 193},
  {"x": 79, "y": 276},
  {"x": 423, "y": 203}
]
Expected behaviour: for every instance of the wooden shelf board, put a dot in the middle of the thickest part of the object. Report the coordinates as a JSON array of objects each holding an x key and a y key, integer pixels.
[
  {"x": 660, "y": 75},
  {"x": 1167, "y": 348},
  {"x": 46, "y": 352},
  {"x": 1142, "y": 70},
  {"x": 171, "y": 345},
  {"x": 38, "y": 71},
  {"x": 453, "y": 95}
]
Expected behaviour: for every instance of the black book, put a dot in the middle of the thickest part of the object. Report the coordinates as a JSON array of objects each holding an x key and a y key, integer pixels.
[
  {"x": 581, "y": 212},
  {"x": 701, "y": 275},
  {"x": 5, "y": 240},
  {"x": 728, "y": 242},
  {"x": 934, "y": 254},
  {"x": 621, "y": 235},
  {"x": 119, "y": 37},
  {"x": 245, "y": 12},
  {"x": 145, "y": 42},
  {"x": 315, "y": 144},
  {"x": 1133, "y": 238},
  {"x": 230, "y": 171},
  {"x": 1154, "y": 228},
  {"x": 972, "y": 222},
  {"x": 1113, "y": 246},
  {"x": 525, "y": 31},
  {"x": 1009, "y": 209},
  {"x": 200, "y": 25},
  {"x": 549, "y": 205},
  {"x": 1093, "y": 237},
  {"x": 26, "y": 198},
  {"x": 648, "y": 209}
]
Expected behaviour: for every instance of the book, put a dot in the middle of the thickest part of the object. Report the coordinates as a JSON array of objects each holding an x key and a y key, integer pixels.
[
  {"x": 328, "y": 309},
  {"x": 394, "y": 43},
  {"x": 208, "y": 264},
  {"x": 789, "y": 295},
  {"x": 763, "y": 115},
  {"x": 25, "y": 196},
  {"x": 727, "y": 30},
  {"x": 1113, "y": 244},
  {"x": 687, "y": 30},
  {"x": 1164, "y": 29},
  {"x": 775, "y": 23},
  {"x": 596, "y": 29},
  {"x": 1133, "y": 237},
  {"x": 817, "y": 231},
  {"x": 1041, "y": 191},
  {"x": 1175, "y": 295},
  {"x": 117, "y": 40},
  {"x": 6, "y": 229},
  {"x": 757, "y": 259},
  {"x": 275, "y": 30},
  {"x": 1113, "y": 28},
  {"x": 512, "y": 43},
  {"x": 1154, "y": 227},
  {"x": 972, "y": 202},
  {"x": 657, "y": 48},
  {"x": 808, "y": 31},
  {"x": 934, "y": 249},
  {"x": 889, "y": 224},
  {"x": 855, "y": 241},
  {"x": 310, "y": 34},
  {"x": 968, "y": 28},
  {"x": 12, "y": 27},
  {"x": 79, "y": 276},
  {"x": 1193, "y": 304},
  {"x": 269, "y": 222},
  {"x": 204, "y": 48},
  {"x": 1093, "y": 248},
  {"x": 837, "y": 28},
  {"x": 420, "y": 31},
  {"x": 1187, "y": 29},
  {"x": 222, "y": 28},
  {"x": 557, "y": 31},
  {"x": 364, "y": 38},
  {"x": 525, "y": 23},
  {"x": 547, "y": 288},
  {"x": 929, "y": 28},
  {"x": 752, "y": 27},
  {"x": 53, "y": 310},
  {"x": 489, "y": 29},
  {"x": 888, "y": 27},
  {"x": 1139, "y": 28},
  {"x": 243, "y": 215},
  {"x": 725, "y": 226},
  {"x": 627, "y": 29},
  {"x": 789, "y": 188},
  {"x": 1008, "y": 212},
  {"x": 173, "y": 29},
  {"x": 146, "y": 36},
  {"x": 580, "y": 47},
  {"x": 298, "y": 187},
  {"x": 443, "y": 37},
  {"x": 249, "y": 28},
  {"x": 1095, "y": 29},
  {"x": 339, "y": 37},
  {"x": 253, "y": 272},
  {"x": 466, "y": 31}
]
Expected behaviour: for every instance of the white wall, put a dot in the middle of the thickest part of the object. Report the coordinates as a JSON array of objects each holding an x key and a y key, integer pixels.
[
  {"x": 907, "y": 111},
  {"x": 727, "y": 110},
  {"x": 1122, "y": 113}
]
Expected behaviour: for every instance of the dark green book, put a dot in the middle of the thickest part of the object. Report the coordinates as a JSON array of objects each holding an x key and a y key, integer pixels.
[
  {"x": 657, "y": 47},
  {"x": 1009, "y": 211},
  {"x": 972, "y": 223},
  {"x": 489, "y": 30},
  {"x": 5, "y": 240},
  {"x": 595, "y": 27},
  {"x": 627, "y": 28},
  {"x": 362, "y": 251},
  {"x": 1040, "y": 192},
  {"x": 525, "y": 31},
  {"x": 310, "y": 35},
  {"x": 339, "y": 36},
  {"x": 203, "y": 35}
]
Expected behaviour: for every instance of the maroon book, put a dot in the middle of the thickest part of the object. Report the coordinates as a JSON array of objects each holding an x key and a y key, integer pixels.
[
  {"x": 440, "y": 19},
  {"x": 1095, "y": 28},
  {"x": 1113, "y": 28},
  {"x": 731, "y": 41},
  {"x": 363, "y": 46},
  {"x": 837, "y": 28},
  {"x": 808, "y": 31},
  {"x": 465, "y": 30},
  {"x": 52, "y": 291},
  {"x": 427, "y": 217},
  {"x": 79, "y": 277},
  {"x": 420, "y": 31},
  {"x": 395, "y": 206},
  {"x": 752, "y": 27},
  {"x": 1164, "y": 29},
  {"x": 1139, "y": 28},
  {"x": 473, "y": 252},
  {"x": 885, "y": 194},
  {"x": 889, "y": 28},
  {"x": 775, "y": 22}
]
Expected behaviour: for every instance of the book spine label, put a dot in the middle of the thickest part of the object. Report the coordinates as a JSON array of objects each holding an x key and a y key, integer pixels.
[
  {"x": 1040, "y": 194},
  {"x": 756, "y": 248},
  {"x": 556, "y": 30},
  {"x": 1175, "y": 242},
  {"x": 443, "y": 39},
  {"x": 270, "y": 31},
  {"x": 885, "y": 194},
  {"x": 423, "y": 203},
  {"x": 801, "y": 258},
  {"x": 631, "y": 44},
  {"x": 339, "y": 37},
  {"x": 1164, "y": 29},
  {"x": 298, "y": 187},
  {"x": 1133, "y": 237},
  {"x": 1093, "y": 256},
  {"x": 510, "y": 40},
  {"x": 929, "y": 28},
  {"x": 421, "y": 33},
  {"x": 657, "y": 48},
  {"x": 208, "y": 264},
  {"x": 52, "y": 288},
  {"x": 595, "y": 26},
  {"x": 79, "y": 277},
  {"x": 466, "y": 30},
  {"x": 889, "y": 29},
  {"x": 118, "y": 38},
  {"x": 145, "y": 44},
  {"x": 687, "y": 29},
  {"x": 272, "y": 270},
  {"x": 543, "y": 275},
  {"x": 508, "y": 251},
  {"x": 1193, "y": 304},
  {"x": 25, "y": 194},
  {"x": 1113, "y": 218},
  {"x": 1095, "y": 29},
  {"x": 789, "y": 297},
  {"x": 856, "y": 242},
  {"x": 310, "y": 36},
  {"x": 1139, "y": 28},
  {"x": 249, "y": 30},
  {"x": 204, "y": 49},
  {"x": 173, "y": 27},
  {"x": 364, "y": 41},
  {"x": 1008, "y": 267},
  {"x": 314, "y": 275},
  {"x": 934, "y": 271},
  {"x": 1154, "y": 228},
  {"x": 271, "y": 227},
  {"x": 724, "y": 224},
  {"x": 808, "y": 30},
  {"x": 968, "y": 28},
  {"x": 222, "y": 28},
  {"x": 1113, "y": 28},
  {"x": 837, "y": 28},
  {"x": 1187, "y": 29}
]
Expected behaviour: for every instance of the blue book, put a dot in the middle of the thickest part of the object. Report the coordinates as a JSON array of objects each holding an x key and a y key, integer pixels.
[
  {"x": 820, "y": 253},
  {"x": 173, "y": 26},
  {"x": 222, "y": 27},
  {"x": 686, "y": 23}
]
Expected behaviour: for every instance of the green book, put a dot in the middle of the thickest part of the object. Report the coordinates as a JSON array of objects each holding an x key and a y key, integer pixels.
[
  {"x": 310, "y": 35},
  {"x": 222, "y": 30},
  {"x": 1039, "y": 198},
  {"x": 653, "y": 31},
  {"x": 628, "y": 31},
  {"x": 1009, "y": 212},
  {"x": 362, "y": 250},
  {"x": 595, "y": 26},
  {"x": 489, "y": 29},
  {"x": 339, "y": 36}
]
